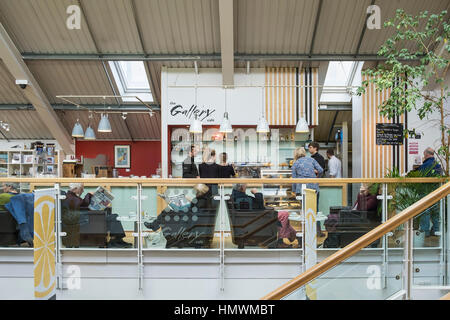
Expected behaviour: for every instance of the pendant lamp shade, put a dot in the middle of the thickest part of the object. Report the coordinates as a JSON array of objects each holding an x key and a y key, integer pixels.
[
  {"x": 104, "y": 125},
  {"x": 263, "y": 126},
  {"x": 196, "y": 126},
  {"x": 302, "y": 126},
  {"x": 225, "y": 126},
  {"x": 90, "y": 134},
  {"x": 77, "y": 131}
]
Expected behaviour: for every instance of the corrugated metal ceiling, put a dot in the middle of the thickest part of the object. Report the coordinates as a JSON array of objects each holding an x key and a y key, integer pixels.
[
  {"x": 24, "y": 124},
  {"x": 137, "y": 126},
  {"x": 175, "y": 27}
]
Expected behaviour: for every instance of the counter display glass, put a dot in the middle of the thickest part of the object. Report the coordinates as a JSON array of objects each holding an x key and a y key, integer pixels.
[{"x": 247, "y": 150}]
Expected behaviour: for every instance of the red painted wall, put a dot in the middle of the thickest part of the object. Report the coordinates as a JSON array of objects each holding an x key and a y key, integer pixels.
[{"x": 145, "y": 155}]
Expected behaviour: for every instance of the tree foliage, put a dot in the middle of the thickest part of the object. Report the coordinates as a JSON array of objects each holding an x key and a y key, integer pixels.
[{"x": 416, "y": 57}]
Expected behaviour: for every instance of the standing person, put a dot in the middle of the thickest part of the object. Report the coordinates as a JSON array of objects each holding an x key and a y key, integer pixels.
[
  {"x": 306, "y": 167},
  {"x": 334, "y": 165},
  {"x": 313, "y": 148},
  {"x": 430, "y": 168},
  {"x": 209, "y": 169},
  {"x": 189, "y": 167},
  {"x": 226, "y": 170}
]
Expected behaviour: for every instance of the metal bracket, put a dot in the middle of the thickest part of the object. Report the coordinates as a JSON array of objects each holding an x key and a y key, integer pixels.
[
  {"x": 136, "y": 197},
  {"x": 381, "y": 197},
  {"x": 62, "y": 234},
  {"x": 62, "y": 197}
]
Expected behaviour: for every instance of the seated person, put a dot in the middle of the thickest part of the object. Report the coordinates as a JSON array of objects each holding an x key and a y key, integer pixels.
[
  {"x": 239, "y": 195},
  {"x": 202, "y": 200},
  {"x": 74, "y": 203},
  {"x": 22, "y": 209},
  {"x": 365, "y": 200},
  {"x": 8, "y": 190}
]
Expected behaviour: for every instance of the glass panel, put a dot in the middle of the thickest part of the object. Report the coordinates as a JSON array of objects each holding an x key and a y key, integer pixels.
[
  {"x": 368, "y": 275},
  {"x": 16, "y": 222},
  {"x": 248, "y": 151},
  {"x": 98, "y": 217},
  {"x": 427, "y": 225},
  {"x": 177, "y": 217}
]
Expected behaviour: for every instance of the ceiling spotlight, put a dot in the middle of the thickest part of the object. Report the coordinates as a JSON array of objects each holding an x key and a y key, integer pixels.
[{"x": 124, "y": 115}]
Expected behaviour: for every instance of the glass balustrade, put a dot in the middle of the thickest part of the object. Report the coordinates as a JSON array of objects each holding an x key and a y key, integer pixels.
[{"x": 226, "y": 217}]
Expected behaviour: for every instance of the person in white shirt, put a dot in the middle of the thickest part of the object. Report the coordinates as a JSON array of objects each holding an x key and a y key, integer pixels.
[{"x": 334, "y": 165}]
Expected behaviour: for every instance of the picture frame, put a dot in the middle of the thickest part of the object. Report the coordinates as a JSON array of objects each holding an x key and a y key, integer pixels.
[
  {"x": 122, "y": 156},
  {"x": 50, "y": 169},
  {"x": 28, "y": 159}
]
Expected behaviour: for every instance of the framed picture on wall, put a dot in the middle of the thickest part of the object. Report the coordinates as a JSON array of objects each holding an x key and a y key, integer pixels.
[{"x": 122, "y": 156}]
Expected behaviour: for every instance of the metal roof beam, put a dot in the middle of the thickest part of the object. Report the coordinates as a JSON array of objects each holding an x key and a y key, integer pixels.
[
  {"x": 361, "y": 37},
  {"x": 227, "y": 41},
  {"x": 33, "y": 92},
  {"x": 92, "y": 107},
  {"x": 316, "y": 24},
  {"x": 205, "y": 57}
]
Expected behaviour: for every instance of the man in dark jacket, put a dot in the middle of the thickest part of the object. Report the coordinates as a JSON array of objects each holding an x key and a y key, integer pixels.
[
  {"x": 430, "y": 168},
  {"x": 313, "y": 148},
  {"x": 189, "y": 167},
  {"x": 72, "y": 209},
  {"x": 239, "y": 195}
]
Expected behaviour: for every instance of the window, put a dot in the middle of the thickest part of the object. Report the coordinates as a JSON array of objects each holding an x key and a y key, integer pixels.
[
  {"x": 338, "y": 81},
  {"x": 131, "y": 79}
]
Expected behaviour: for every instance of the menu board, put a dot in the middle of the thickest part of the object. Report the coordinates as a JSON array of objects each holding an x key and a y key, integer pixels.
[{"x": 389, "y": 134}]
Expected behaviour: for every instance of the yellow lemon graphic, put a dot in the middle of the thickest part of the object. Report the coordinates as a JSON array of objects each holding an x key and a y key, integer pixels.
[{"x": 44, "y": 246}]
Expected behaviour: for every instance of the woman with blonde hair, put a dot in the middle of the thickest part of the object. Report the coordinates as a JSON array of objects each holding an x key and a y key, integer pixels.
[{"x": 306, "y": 167}]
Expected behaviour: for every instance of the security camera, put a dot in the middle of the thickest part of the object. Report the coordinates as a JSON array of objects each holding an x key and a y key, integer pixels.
[
  {"x": 22, "y": 83},
  {"x": 124, "y": 115}
]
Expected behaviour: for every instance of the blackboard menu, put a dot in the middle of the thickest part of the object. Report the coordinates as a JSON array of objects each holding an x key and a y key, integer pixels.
[{"x": 389, "y": 134}]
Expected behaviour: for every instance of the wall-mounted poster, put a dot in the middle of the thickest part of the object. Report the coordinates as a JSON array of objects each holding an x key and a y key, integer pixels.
[{"x": 122, "y": 156}]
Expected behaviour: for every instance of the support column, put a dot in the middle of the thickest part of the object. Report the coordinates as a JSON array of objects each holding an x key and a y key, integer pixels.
[{"x": 344, "y": 150}]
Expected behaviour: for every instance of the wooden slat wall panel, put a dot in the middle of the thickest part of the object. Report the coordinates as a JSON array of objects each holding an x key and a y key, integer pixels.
[
  {"x": 281, "y": 95},
  {"x": 378, "y": 160}
]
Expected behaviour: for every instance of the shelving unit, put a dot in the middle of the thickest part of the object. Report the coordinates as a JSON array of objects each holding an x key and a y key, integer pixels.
[{"x": 23, "y": 163}]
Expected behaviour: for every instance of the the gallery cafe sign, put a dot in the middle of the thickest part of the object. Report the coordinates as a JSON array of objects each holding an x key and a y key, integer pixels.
[{"x": 185, "y": 114}]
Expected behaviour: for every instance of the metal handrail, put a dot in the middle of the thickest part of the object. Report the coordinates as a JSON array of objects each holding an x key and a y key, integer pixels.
[{"x": 357, "y": 245}]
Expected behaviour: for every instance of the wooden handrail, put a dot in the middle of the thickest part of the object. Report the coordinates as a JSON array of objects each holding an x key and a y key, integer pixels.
[
  {"x": 180, "y": 181},
  {"x": 359, "y": 244},
  {"x": 446, "y": 297}
]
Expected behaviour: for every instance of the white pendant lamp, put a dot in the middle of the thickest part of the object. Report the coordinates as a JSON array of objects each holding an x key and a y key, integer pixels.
[
  {"x": 225, "y": 126},
  {"x": 90, "y": 134},
  {"x": 196, "y": 124},
  {"x": 302, "y": 126},
  {"x": 263, "y": 125},
  {"x": 104, "y": 125},
  {"x": 77, "y": 131}
]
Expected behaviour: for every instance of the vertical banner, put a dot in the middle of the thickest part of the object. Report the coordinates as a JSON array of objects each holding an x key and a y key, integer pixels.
[
  {"x": 44, "y": 244},
  {"x": 310, "y": 234}
]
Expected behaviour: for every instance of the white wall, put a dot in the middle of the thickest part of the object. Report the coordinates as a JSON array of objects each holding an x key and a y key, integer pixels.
[
  {"x": 429, "y": 128},
  {"x": 195, "y": 274}
]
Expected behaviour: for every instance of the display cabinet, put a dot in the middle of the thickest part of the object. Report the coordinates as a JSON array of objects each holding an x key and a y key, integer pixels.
[{"x": 249, "y": 151}]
